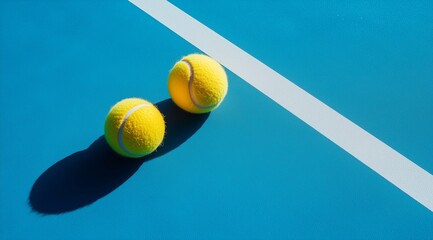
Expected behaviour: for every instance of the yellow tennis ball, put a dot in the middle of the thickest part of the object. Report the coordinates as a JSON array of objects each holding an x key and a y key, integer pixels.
[
  {"x": 134, "y": 128},
  {"x": 197, "y": 83}
]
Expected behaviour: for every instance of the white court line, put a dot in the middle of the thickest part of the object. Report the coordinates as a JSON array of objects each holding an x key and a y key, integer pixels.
[{"x": 381, "y": 158}]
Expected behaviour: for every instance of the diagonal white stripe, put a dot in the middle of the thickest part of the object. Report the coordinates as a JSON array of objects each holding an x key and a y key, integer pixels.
[{"x": 381, "y": 158}]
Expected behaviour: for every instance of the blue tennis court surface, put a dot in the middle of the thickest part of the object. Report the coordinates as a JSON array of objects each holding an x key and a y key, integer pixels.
[{"x": 248, "y": 170}]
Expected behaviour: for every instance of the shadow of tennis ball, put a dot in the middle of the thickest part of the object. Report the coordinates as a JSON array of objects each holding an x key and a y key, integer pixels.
[{"x": 86, "y": 176}]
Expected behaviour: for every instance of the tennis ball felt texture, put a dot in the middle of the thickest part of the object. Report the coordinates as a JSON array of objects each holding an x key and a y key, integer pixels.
[
  {"x": 197, "y": 83},
  {"x": 134, "y": 128}
]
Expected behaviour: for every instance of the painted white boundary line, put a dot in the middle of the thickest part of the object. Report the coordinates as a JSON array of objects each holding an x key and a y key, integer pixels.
[{"x": 381, "y": 158}]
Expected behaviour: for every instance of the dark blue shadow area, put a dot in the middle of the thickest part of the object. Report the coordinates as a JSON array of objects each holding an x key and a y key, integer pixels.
[{"x": 88, "y": 175}]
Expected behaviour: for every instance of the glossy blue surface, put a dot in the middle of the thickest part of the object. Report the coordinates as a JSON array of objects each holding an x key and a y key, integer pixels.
[{"x": 250, "y": 169}]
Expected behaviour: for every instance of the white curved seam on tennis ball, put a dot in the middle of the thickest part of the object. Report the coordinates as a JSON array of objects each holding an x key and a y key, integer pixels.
[
  {"x": 120, "y": 133},
  {"x": 377, "y": 155},
  {"x": 190, "y": 83}
]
